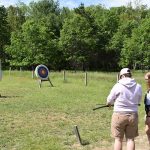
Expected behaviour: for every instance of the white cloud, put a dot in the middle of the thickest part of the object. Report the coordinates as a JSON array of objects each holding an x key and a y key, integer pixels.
[
  {"x": 7, "y": 2},
  {"x": 107, "y": 3},
  {"x": 76, "y": 3},
  {"x": 68, "y": 3},
  {"x": 113, "y": 3}
]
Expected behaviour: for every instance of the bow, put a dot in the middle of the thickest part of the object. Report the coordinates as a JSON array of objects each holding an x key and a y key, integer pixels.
[{"x": 102, "y": 106}]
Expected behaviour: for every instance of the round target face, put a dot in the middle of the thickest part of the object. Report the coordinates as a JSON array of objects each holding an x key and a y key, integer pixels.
[{"x": 42, "y": 72}]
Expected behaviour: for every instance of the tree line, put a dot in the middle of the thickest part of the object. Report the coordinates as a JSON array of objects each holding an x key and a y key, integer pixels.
[{"x": 85, "y": 38}]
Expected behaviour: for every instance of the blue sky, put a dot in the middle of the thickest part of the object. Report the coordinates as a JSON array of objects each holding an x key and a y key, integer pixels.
[{"x": 76, "y": 3}]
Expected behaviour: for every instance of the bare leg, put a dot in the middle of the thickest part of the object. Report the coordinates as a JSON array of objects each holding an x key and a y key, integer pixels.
[
  {"x": 118, "y": 144},
  {"x": 147, "y": 130},
  {"x": 130, "y": 144}
]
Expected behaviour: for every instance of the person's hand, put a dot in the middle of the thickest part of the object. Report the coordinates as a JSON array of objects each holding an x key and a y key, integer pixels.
[{"x": 108, "y": 104}]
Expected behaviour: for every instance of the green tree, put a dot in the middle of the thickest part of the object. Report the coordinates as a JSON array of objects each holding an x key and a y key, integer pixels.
[
  {"x": 90, "y": 36},
  {"x": 4, "y": 33},
  {"x": 129, "y": 20},
  {"x": 43, "y": 8},
  {"x": 136, "y": 49},
  {"x": 106, "y": 23},
  {"x": 37, "y": 40},
  {"x": 36, "y": 44},
  {"x": 15, "y": 17},
  {"x": 16, "y": 50},
  {"x": 117, "y": 41},
  {"x": 65, "y": 12},
  {"x": 76, "y": 40}
]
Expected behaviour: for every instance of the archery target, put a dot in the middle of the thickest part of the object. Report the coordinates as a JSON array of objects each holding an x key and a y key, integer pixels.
[{"x": 42, "y": 72}]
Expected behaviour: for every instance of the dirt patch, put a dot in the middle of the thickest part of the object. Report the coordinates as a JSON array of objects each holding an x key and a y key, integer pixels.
[{"x": 141, "y": 143}]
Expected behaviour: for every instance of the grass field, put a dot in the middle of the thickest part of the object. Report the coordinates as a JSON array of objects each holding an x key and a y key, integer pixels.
[{"x": 33, "y": 118}]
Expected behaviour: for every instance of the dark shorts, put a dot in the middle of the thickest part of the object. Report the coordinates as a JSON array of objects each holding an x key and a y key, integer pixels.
[{"x": 124, "y": 124}]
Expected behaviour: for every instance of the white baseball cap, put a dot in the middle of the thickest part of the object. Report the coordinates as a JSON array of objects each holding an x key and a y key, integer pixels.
[{"x": 125, "y": 71}]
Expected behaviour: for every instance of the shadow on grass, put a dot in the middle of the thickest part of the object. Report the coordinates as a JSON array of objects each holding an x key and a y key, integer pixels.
[
  {"x": 85, "y": 142},
  {"x": 9, "y": 96}
]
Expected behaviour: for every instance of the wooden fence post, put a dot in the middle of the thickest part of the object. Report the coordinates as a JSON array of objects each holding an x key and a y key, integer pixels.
[
  {"x": 64, "y": 75},
  {"x": 85, "y": 78},
  {"x": 20, "y": 71},
  {"x": 32, "y": 73},
  {"x": 9, "y": 71}
]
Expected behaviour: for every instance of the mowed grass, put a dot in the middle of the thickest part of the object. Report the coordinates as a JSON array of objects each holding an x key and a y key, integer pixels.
[{"x": 33, "y": 118}]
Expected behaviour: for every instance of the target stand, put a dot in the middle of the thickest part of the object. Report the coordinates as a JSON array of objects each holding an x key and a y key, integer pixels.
[
  {"x": 41, "y": 80},
  {"x": 42, "y": 73}
]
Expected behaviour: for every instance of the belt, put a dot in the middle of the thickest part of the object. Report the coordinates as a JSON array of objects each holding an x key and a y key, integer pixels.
[{"x": 125, "y": 112}]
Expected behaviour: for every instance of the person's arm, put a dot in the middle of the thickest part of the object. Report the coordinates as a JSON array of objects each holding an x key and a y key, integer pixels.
[{"x": 112, "y": 95}]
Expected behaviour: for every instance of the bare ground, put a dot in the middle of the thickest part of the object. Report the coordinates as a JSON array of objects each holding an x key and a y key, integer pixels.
[{"x": 141, "y": 143}]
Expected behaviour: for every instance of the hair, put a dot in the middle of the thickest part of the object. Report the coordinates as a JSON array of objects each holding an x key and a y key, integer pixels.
[
  {"x": 147, "y": 79},
  {"x": 147, "y": 76},
  {"x": 129, "y": 75}
]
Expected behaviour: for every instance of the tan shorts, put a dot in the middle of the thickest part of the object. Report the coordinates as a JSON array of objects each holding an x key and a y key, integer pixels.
[{"x": 124, "y": 124}]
